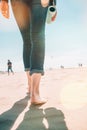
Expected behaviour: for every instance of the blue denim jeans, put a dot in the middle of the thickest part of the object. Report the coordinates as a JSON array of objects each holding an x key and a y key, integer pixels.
[
  {"x": 31, "y": 18},
  {"x": 33, "y": 35},
  {"x": 34, "y": 43}
]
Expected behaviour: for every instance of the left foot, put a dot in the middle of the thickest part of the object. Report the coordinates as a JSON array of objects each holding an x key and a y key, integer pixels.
[{"x": 29, "y": 91}]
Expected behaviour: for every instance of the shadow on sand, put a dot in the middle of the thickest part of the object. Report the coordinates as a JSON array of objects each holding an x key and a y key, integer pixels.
[
  {"x": 33, "y": 119},
  {"x": 8, "y": 118}
]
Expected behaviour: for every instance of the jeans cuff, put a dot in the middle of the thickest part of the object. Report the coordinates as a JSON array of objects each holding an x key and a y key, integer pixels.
[
  {"x": 36, "y": 71},
  {"x": 27, "y": 69}
]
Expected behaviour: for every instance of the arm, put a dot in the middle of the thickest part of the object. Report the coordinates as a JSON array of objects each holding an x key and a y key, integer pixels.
[
  {"x": 52, "y": 1},
  {"x": 4, "y": 0},
  {"x": 5, "y": 8}
]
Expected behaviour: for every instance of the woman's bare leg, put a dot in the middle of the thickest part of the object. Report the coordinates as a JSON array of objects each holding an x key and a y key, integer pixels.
[
  {"x": 29, "y": 81},
  {"x": 35, "y": 94},
  {"x": 22, "y": 17},
  {"x": 21, "y": 13}
]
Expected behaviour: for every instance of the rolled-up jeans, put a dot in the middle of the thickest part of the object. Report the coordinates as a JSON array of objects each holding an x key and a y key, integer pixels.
[
  {"x": 34, "y": 45},
  {"x": 33, "y": 35}
]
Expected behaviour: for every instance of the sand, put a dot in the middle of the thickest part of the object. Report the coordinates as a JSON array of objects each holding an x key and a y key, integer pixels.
[{"x": 66, "y": 108}]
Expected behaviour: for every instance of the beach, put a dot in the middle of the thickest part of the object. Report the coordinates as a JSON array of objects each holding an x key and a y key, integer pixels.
[{"x": 66, "y": 109}]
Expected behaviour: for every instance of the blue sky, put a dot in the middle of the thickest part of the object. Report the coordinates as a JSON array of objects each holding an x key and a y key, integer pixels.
[{"x": 66, "y": 40}]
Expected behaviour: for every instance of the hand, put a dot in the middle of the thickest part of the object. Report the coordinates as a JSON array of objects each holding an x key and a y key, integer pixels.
[{"x": 5, "y": 8}]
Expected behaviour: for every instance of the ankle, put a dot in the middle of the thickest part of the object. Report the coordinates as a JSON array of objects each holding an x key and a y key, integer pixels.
[{"x": 35, "y": 97}]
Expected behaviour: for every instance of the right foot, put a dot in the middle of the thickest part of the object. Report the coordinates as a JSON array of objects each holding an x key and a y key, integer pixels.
[{"x": 38, "y": 101}]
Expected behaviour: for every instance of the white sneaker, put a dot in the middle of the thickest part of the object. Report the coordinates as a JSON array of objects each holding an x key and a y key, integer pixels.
[{"x": 44, "y": 3}]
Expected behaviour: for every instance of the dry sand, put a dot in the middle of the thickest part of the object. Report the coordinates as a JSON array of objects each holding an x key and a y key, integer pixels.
[{"x": 66, "y": 109}]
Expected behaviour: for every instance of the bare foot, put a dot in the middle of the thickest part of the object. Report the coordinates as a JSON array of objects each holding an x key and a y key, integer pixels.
[
  {"x": 39, "y": 101},
  {"x": 28, "y": 91}
]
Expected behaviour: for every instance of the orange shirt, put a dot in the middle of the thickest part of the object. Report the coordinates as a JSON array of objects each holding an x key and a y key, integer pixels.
[{"x": 4, "y": 7}]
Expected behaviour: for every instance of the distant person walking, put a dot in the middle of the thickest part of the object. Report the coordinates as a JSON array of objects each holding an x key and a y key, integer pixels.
[{"x": 9, "y": 64}]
